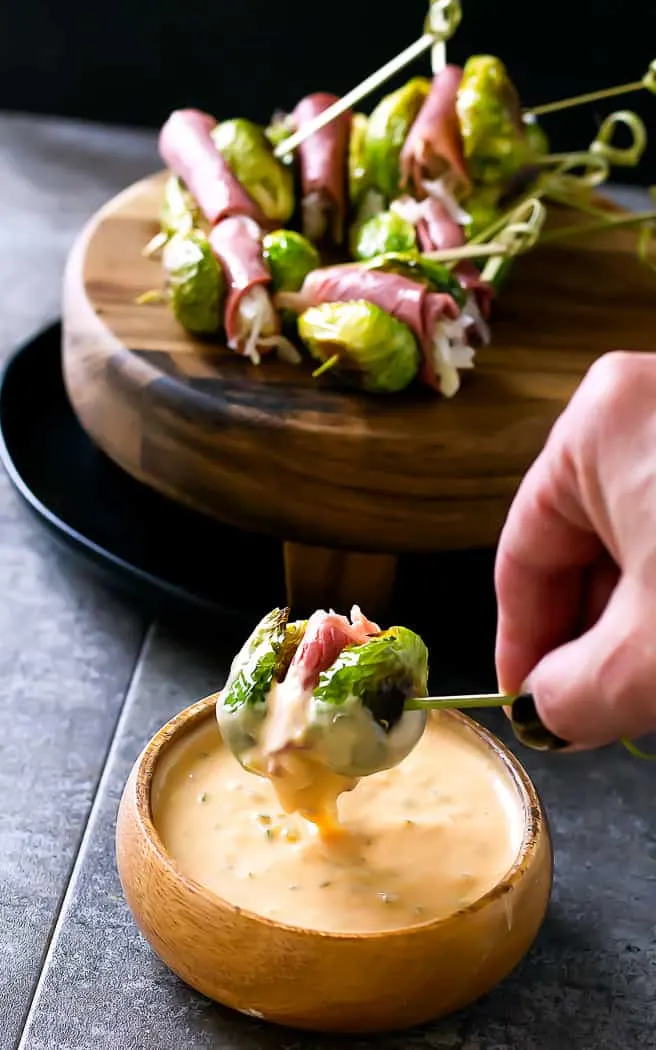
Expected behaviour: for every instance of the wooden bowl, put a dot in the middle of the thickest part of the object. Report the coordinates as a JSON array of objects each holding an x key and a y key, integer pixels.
[{"x": 349, "y": 983}]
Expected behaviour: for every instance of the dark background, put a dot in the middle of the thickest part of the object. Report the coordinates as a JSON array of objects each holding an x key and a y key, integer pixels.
[{"x": 132, "y": 61}]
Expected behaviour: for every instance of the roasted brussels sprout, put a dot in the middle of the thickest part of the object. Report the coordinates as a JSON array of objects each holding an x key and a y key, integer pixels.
[
  {"x": 367, "y": 347},
  {"x": 328, "y": 690},
  {"x": 247, "y": 150},
  {"x": 419, "y": 268},
  {"x": 387, "y": 232},
  {"x": 195, "y": 281},
  {"x": 356, "y": 718},
  {"x": 386, "y": 131},
  {"x": 263, "y": 659},
  {"x": 489, "y": 112},
  {"x": 290, "y": 257},
  {"x": 179, "y": 212},
  {"x": 357, "y": 169}
]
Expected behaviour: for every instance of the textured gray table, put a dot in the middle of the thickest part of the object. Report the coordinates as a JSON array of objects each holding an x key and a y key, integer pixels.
[{"x": 86, "y": 682}]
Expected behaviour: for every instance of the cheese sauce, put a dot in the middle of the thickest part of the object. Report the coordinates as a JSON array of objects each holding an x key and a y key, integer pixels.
[{"x": 419, "y": 841}]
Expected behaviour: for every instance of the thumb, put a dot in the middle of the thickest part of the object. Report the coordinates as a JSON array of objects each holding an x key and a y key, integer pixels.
[{"x": 602, "y": 686}]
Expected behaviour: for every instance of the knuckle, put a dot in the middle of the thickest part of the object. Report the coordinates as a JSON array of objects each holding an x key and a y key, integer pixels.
[{"x": 616, "y": 378}]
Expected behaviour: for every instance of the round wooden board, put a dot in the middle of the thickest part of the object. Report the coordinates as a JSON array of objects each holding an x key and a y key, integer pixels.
[{"x": 273, "y": 450}]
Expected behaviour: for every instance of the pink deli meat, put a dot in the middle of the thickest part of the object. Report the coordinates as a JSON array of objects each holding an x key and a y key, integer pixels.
[
  {"x": 237, "y": 244},
  {"x": 323, "y": 157},
  {"x": 437, "y": 230},
  {"x": 410, "y": 302},
  {"x": 188, "y": 150},
  {"x": 433, "y": 147},
  {"x": 326, "y": 634}
]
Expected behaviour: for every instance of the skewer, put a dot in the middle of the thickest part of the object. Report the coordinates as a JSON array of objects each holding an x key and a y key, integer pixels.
[
  {"x": 647, "y": 82},
  {"x": 444, "y": 14}
]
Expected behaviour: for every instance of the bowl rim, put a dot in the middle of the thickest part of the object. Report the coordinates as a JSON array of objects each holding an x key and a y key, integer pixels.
[{"x": 534, "y": 826}]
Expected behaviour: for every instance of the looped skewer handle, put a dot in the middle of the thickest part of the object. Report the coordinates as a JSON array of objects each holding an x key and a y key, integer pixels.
[
  {"x": 442, "y": 21},
  {"x": 628, "y": 156},
  {"x": 520, "y": 234}
]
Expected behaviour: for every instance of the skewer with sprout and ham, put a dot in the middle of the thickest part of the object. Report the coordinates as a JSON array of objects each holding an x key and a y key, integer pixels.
[{"x": 315, "y": 705}]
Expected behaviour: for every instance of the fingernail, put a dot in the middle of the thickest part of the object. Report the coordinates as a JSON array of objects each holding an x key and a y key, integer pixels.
[{"x": 529, "y": 728}]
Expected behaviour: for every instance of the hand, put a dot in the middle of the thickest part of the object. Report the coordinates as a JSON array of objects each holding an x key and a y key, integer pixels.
[{"x": 576, "y": 564}]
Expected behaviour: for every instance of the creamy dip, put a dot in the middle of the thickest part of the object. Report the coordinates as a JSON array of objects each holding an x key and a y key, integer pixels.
[{"x": 418, "y": 842}]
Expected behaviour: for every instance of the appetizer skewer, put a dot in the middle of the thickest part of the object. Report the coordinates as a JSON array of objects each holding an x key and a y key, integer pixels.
[
  {"x": 448, "y": 169},
  {"x": 315, "y": 705}
]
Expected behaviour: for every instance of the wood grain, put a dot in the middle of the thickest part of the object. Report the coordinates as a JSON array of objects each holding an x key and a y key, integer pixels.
[
  {"x": 272, "y": 450},
  {"x": 355, "y": 983}
]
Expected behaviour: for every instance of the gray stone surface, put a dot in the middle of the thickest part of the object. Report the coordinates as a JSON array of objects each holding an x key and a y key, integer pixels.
[
  {"x": 68, "y": 648},
  {"x": 586, "y": 985},
  {"x": 66, "y": 659}
]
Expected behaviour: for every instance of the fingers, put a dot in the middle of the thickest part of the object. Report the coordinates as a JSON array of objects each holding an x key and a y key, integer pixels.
[
  {"x": 544, "y": 550},
  {"x": 602, "y": 686}
]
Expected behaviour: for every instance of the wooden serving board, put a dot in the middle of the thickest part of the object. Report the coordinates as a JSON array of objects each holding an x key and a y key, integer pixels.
[{"x": 347, "y": 481}]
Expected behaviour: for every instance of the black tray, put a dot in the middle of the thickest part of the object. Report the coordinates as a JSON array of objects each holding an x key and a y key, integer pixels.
[
  {"x": 159, "y": 552},
  {"x": 172, "y": 559}
]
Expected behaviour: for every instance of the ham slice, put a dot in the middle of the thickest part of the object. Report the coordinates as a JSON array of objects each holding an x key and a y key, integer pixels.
[
  {"x": 433, "y": 147},
  {"x": 437, "y": 231},
  {"x": 323, "y": 168},
  {"x": 411, "y": 303},
  {"x": 326, "y": 635},
  {"x": 250, "y": 321},
  {"x": 187, "y": 149}
]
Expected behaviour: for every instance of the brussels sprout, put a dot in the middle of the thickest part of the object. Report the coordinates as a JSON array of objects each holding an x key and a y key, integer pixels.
[
  {"x": 387, "y": 232},
  {"x": 195, "y": 282},
  {"x": 357, "y": 170},
  {"x": 179, "y": 212},
  {"x": 418, "y": 267},
  {"x": 243, "y": 702},
  {"x": 290, "y": 257},
  {"x": 488, "y": 108},
  {"x": 387, "y": 130},
  {"x": 367, "y": 347},
  {"x": 483, "y": 209},
  {"x": 356, "y": 719},
  {"x": 247, "y": 150}
]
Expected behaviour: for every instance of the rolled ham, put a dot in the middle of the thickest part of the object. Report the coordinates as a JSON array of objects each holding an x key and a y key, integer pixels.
[
  {"x": 433, "y": 317},
  {"x": 250, "y": 320},
  {"x": 433, "y": 148},
  {"x": 326, "y": 635},
  {"x": 187, "y": 149},
  {"x": 323, "y": 158}
]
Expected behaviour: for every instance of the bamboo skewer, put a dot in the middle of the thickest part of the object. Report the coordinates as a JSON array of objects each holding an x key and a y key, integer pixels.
[{"x": 442, "y": 21}]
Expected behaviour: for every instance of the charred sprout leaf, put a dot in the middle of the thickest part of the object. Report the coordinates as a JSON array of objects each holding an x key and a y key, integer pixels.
[
  {"x": 243, "y": 702},
  {"x": 387, "y": 232},
  {"x": 357, "y": 169},
  {"x": 195, "y": 281},
  {"x": 253, "y": 668},
  {"x": 247, "y": 150},
  {"x": 493, "y": 134},
  {"x": 418, "y": 267},
  {"x": 382, "y": 673},
  {"x": 293, "y": 637},
  {"x": 371, "y": 350},
  {"x": 387, "y": 130},
  {"x": 290, "y": 257}
]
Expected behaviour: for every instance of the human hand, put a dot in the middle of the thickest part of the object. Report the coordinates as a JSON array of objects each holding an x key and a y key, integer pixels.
[{"x": 576, "y": 564}]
